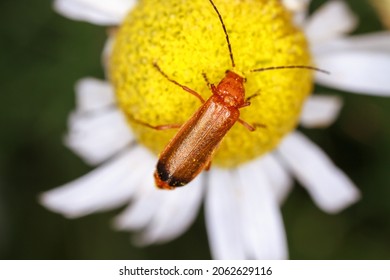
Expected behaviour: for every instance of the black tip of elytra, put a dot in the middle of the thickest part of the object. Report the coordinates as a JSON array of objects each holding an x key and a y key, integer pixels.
[{"x": 167, "y": 177}]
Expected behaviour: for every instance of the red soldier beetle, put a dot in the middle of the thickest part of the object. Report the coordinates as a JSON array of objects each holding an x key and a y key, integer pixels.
[{"x": 191, "y": 150}]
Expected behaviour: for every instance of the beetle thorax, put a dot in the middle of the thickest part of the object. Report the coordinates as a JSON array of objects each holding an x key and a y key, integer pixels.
[{"x": 231, "y": 89}]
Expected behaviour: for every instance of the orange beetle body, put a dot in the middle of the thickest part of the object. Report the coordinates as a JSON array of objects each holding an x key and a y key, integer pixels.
[{"x": 192, "y": 148}]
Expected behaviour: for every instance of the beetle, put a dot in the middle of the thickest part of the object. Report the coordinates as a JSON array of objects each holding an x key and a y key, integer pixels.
[{"x": 191, "y": 150}]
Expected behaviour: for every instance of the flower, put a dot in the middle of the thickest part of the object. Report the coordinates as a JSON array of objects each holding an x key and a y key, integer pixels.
[
  {"x": 142, "y": 90},
  {"x": 241, "y": 205}
]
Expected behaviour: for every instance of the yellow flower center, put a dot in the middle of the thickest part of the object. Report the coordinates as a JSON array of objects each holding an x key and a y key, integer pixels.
[{"x": 186, "y": 39}]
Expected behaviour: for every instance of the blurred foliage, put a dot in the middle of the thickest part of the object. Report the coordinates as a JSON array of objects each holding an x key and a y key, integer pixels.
[{"x": 44, "y": 54}]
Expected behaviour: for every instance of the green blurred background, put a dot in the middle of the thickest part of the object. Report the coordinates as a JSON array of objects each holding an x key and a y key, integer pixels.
[{"x": 44, "y": 54}]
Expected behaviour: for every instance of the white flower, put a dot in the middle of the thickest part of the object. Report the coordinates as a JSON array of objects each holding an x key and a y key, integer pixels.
[
  {"x": 360, "y": 63},
  {"x": 242, "y": 206}
]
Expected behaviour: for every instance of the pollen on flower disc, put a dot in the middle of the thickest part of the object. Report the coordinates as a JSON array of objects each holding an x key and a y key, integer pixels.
[{"x": 186, "y": 39}]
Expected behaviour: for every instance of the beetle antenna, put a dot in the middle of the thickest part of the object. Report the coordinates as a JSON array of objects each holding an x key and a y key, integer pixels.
[
  {"x": 290, "y": 67},
  {"x": 224, "y": 30}
]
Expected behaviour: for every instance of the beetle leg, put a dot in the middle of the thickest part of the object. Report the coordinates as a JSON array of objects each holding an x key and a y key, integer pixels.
[
  {"x": 251, "y": 127},
  {"x": 165, "y": 126},
  {"x": 156, "y": 127},
  {"x": 245, "y": 104},
  {"x": 247, "y": 100},
  {"x": 193, "y": 92},
  {"x": 246, "y": 125},
  {"x": 257, "y": 93}
]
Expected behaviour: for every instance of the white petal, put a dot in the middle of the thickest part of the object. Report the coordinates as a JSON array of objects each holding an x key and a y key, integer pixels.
[
  {"x": 332, "y": 20},
  {"x": 98, "y": 136},
  {"x": 371, "y": 42},
  {"x": 162, "y": 215},
  {"x": 108, "y": 186},
  {"x": 278, "y": 177},
  {"x": 93, "y": 94},
  {"x": 222, "y": 216},
  {"x": 356, "y": 71},
  {"x": 320, "y": 111},
  {"x": 330, "y": 188},
  {"x": 103, "y": 12},
  {"x": 106, "y": 54},
  {"x": 296, "y": 5},
  {"x": 176, "y": 212},
  {"x": 146, "y": 201},
  {"x": 262, "y": 224},
  {"x": 299, "y": 9},
  {"x": 358, "y": 63},
  {"x": 97, "y": 130}
]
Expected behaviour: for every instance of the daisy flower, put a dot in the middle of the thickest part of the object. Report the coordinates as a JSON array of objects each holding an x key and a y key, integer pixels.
[{"x": 252, "y": 173}]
